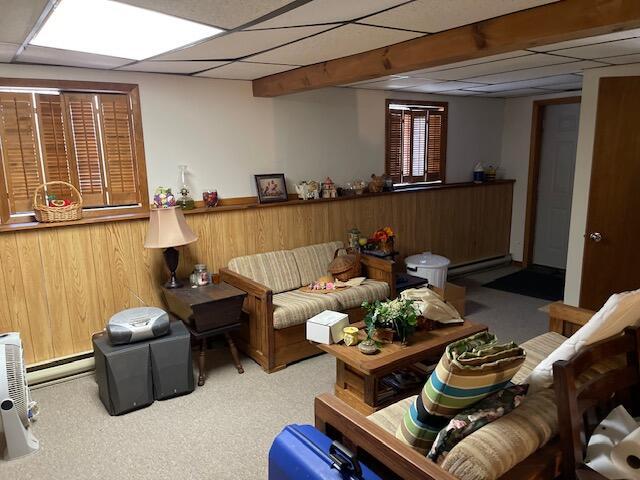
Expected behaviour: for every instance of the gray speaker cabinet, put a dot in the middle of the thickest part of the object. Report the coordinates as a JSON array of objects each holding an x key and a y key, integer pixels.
[{"x": 171, "y": 363}]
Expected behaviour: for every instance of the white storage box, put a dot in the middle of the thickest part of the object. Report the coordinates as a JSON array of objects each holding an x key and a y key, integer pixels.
[
  {"x": 326, "y": 327},
  {"x": 430, "y": 266}
]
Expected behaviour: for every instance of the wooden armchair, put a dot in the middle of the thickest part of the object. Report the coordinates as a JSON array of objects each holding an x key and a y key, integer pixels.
[
  {"x": 274, "y": 348},
  {"x": 583, "y": 405},
  {"x": 391, "y": 458}
]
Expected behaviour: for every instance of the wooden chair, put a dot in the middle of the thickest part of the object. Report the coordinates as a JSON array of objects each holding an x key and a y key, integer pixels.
[{"x": 583, "y": 405}]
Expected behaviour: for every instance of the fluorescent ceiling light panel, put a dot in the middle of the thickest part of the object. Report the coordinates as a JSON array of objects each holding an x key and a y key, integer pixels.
[{"x": 105, "y": 27}]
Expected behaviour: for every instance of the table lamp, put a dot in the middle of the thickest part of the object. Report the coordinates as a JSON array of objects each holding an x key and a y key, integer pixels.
[{"x": 168, "y": 229}]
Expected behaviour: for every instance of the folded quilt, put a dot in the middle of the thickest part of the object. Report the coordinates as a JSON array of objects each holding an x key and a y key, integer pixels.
[{"x": 469, "y": 370}]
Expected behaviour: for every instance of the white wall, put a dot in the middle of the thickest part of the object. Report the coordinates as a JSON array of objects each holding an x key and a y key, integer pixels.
[
  {"x": 516, "y": 142},
  {"x": 582, "y": 179},
  {"x": 225, "y": 135}
]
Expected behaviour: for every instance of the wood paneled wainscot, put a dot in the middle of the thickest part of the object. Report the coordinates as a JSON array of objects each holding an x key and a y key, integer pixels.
[{"x": 60, "y": 285}]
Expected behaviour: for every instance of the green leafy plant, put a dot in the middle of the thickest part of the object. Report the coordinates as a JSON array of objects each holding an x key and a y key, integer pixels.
[{"x": 399, "y": 315}]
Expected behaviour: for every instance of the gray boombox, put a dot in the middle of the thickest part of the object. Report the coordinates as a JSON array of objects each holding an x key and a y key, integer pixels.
[{"x": 136, "y": 324}]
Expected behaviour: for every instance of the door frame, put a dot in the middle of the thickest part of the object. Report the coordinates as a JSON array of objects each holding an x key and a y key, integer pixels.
[{"x": 534, "y": 172}]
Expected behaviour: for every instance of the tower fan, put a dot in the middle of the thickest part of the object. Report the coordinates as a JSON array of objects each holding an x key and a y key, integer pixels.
[{"x": 16, "y": 439}]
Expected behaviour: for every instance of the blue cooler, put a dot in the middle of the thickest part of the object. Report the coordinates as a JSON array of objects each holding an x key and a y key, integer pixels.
[{"x": 302, "y": 452}]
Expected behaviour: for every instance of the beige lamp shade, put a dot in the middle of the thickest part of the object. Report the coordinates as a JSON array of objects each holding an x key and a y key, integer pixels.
[{"x": 168, "y": 228}]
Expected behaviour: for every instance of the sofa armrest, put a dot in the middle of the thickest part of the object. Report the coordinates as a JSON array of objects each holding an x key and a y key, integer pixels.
[
  {"x": 358, "y": 432},
  {"x": 566, "y": 320},
  {"x": 252, "y": 287},
  {"x": 379, "y": 269}
]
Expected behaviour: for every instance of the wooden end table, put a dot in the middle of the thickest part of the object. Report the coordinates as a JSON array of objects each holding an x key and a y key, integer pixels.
[
  {"x": 208, "y": 311},
  {"x": 358, "y": 375}
]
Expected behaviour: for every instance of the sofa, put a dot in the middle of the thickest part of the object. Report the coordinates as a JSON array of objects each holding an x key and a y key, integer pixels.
[
  {"x": 521, "y": 445},
  {"x": 273, "y": 331}
]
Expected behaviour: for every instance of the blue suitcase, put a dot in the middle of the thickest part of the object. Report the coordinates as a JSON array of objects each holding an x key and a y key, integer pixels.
[{"x": 302, "y": 452}]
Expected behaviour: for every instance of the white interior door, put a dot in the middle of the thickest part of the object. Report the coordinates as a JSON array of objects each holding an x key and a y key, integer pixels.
[{"x": 555, "y": 184}]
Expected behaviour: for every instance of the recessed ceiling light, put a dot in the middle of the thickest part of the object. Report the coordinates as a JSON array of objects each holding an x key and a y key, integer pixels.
[{"x": 105, "y": 27}]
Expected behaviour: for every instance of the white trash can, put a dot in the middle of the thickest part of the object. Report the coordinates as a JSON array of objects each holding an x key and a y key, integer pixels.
[{"x": 430, "y": 266}]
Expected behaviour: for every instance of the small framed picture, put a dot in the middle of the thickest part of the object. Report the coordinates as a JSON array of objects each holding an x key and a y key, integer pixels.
[{"x": 271, "y": 188}]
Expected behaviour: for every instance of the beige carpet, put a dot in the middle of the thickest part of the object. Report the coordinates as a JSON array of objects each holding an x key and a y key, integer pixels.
[{"x": 222, "y": 430}]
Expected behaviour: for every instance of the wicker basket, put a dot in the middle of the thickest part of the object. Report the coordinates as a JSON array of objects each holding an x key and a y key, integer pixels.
[
  {"x": 345, "y": 267},
  {"x": 46, "y": 214}
]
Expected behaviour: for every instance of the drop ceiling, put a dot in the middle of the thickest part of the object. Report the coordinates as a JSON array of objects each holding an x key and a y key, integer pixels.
[{"x": 264, "y": 37}]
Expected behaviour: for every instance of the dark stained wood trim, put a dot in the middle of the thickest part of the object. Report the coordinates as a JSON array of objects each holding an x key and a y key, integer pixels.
[
  {"x": 69, "y": 85},
  {"x": 534, "y": 171},
  {"x": 551, "y": 23}
]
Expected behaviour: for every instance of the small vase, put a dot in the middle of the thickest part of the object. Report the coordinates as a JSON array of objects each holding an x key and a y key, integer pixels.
[
  {"x": 368, "y": 347},
  {"x": 383, "y": 335}
]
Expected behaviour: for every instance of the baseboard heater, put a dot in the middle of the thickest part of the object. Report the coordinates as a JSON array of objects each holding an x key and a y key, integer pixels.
[
  {"x": 464, "y": 268},
  {"x": 60, "y": 369}
]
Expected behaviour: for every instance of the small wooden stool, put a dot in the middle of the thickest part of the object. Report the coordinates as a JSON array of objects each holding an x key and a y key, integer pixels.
[{"x": 207, "y": 312}]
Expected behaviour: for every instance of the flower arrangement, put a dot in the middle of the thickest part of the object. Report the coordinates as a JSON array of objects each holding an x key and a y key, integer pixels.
[
  {"x": 383, "y": 239},
  {"x": 400, "y": 315}
]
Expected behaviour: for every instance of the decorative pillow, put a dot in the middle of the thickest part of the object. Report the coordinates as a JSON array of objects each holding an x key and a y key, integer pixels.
[
  {"x": 469, "y": 370},
  {"x": 471, "y": 419},
  {"x": 622, "y": 310}
]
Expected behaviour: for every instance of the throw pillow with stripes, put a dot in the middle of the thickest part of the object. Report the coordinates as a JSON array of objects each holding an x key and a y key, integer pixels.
[{"x": 469, "y": 370}]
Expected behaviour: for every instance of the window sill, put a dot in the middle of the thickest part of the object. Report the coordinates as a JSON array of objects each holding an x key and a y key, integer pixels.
[{"x": 243, "y": 203}]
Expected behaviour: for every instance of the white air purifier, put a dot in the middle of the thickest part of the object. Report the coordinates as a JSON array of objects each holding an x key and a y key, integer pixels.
[{"x": 16, "y": 439}]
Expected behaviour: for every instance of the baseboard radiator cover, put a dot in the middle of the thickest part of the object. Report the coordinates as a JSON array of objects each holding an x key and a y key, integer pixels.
[
  {"x": 463, "y": 269},
  {"x": 60, "y": 370}
]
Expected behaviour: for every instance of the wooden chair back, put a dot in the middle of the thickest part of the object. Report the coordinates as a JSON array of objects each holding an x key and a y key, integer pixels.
[{"x": 582, "y": 406}]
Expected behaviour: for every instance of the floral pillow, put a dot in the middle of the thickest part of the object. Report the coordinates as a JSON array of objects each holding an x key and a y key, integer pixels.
[{"x": 473, "y": 418}]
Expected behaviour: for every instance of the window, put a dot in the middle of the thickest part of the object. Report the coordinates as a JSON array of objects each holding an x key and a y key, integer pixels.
[
  {"x": 88, "y": 135},
  {"x": 416, "y": 141}
]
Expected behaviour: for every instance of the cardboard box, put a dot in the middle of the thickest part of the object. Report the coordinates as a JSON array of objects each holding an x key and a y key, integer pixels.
[
  {"x": 453, "y": 294},
  {"x": 326, "y": 327}
]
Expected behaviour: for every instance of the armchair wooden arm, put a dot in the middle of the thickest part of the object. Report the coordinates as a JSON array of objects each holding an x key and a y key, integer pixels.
[
  {"x": 335, "y": 417},
  {"x": 566, "y": 320},
  {"x": 244, "y": 283},
  {"x": 379, "y": 269}
]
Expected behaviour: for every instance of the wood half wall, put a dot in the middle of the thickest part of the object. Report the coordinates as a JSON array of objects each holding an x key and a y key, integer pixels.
[{"x": 60, "y": 285}]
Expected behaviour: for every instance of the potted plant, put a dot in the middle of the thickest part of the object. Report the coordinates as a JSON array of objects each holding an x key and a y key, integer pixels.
[{"x": 399, "y": 315}]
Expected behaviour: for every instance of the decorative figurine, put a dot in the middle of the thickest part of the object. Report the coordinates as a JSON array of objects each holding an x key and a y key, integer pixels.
[
  {"x": 376, "y": 184},
  {"x": 308, "y": 190},
  {"x": 329, "y": 189},
  {"x": 210, "y": 198},
  {"x": 163, "y": 198}
]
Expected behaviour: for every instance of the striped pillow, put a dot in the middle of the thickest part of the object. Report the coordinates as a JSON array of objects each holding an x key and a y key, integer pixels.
[{"x": 469, "y": 370}]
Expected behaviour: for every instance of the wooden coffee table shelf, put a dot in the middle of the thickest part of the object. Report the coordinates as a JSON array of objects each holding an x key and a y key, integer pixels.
[{"x": 358, "y": 375}]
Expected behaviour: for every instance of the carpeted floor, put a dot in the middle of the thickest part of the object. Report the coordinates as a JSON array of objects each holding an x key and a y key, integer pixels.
[{"x": 224, "y": 429}]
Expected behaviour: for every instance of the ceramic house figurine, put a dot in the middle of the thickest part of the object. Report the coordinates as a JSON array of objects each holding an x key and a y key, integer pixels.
[{"x": 329, "y": 189}]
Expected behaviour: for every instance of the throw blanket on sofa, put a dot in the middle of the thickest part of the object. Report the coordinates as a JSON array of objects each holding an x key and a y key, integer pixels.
[{"x": 469, "y": 370}]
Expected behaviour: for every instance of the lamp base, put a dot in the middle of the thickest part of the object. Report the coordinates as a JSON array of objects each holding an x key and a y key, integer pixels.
[{"x": 171, "y": 257}]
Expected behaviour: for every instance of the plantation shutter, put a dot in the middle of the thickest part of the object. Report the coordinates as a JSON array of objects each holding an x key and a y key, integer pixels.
[
  {"x": 406, "y": 145},
  {"x": 19, "y": 148},
  {"x": 119, "y": 149},
  {"x": 418, "y": 142},
  {"x": 393, "y": 163},
  {"x": 436, "y": 145},
  {"x": 85, "y": 147},
  {"x": 55, "y": 154}
]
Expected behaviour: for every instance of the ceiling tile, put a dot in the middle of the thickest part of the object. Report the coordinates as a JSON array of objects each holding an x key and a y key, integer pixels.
[
  {"x": 529, "y": 73},
  {"x": 507, "y": 65},
  {"x": 7, "y": 51},
  {"x": 475, "y": 61},
  {"x": 18, "y": 18},
  {"x": 220, "y": 13},
  {"x": 245, "y": 70},
  {"x": 545, "y": 82},
  {"x": 600, "y": 50},
  {"x": 328, "y": 11},
  {"x": 171, "y": 67},
  {"x": 523, "y": 92},
  {"x": 460, "y": 93},
  {"x": 392, "y": 83},
  {"x": 566, "y": 86},
  {"x": 432, "y": 86},
  {"x": 335, "y": 43},
  {"x": 588, "y": 40},
  {"x": 240, "y": 44},
  {"x": 621, "y": 60},
  {"x": 436, "y": 15},
  {"x": 53, "y": 56}
]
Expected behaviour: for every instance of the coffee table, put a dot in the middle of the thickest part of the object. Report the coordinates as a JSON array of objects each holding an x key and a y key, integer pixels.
[{"x": 358, "y": 375}]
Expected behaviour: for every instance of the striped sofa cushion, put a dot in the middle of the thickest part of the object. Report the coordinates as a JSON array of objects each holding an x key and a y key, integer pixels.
[
  {"x": 313, "y": 260},
  {"x": 295, "y": 307},
  {"x": 369, "y": 290},
  {"x": 469, "y": 370},
  {"x": 276, "y": 270}
]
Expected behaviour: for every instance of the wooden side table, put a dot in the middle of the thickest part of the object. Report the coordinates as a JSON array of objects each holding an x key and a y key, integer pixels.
[{"x": 208, "y": 311}]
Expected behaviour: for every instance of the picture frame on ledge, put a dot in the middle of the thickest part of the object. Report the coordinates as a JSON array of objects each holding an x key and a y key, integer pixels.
[{"x": 271, "y": 187}]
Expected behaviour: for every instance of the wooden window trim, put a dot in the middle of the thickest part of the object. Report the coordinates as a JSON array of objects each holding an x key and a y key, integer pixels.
[
  {"x": 77, "y": 86},
  {"x": 445, "y": 119}
]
